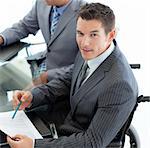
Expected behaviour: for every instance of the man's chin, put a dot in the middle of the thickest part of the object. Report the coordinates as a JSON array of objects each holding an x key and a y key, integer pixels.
[{"x": 86, "y": 57}]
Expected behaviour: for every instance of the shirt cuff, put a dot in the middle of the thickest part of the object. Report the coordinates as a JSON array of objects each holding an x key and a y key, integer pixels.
[
  {"x": 5, "y": 41},
  {"x": 33, "y": 143}
]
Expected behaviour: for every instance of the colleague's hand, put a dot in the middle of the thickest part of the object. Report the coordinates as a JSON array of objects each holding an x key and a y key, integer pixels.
[
  {"x": 1, "y": 40},
  {"x": 20, "y": 141},
  {"x": 24, "y": 96},
  {"x": 42, "y": 79}
]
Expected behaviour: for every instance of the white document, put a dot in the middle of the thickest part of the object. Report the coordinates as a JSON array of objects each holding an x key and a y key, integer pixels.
[
  {"x": 3, "y": 63},
  {"x": 19, "y": 125}
]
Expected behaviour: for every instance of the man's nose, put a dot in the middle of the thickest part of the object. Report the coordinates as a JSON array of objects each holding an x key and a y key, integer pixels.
[{"x": 86, "y": 41}]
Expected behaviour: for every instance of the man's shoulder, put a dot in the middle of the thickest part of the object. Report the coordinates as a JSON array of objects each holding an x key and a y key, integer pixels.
[
  {"x": 41, "y": 2},
  {"x": 77, "y": 3},
  {"x": 81, "y": 2}
]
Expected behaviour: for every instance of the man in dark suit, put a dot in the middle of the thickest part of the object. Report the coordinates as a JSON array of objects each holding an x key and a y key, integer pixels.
[
  {"x": 102, "y": 95},
  {"x": 59, "y": 53}
]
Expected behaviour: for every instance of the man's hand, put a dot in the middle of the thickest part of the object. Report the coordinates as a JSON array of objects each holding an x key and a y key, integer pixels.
[
  {"x": 1, "y": 40},
  {"x": 20, "y": 141},
  {"x": 24, "y": 96},
  {"x": 42, "y": 79}
]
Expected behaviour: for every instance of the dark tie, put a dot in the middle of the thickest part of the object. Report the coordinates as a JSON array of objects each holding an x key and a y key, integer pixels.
[
  {"x": 54, "y": 20},
  {"x": 82, "y": 75}
]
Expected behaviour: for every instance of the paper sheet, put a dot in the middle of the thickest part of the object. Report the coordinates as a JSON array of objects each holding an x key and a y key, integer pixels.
[
  {"x": 3, "y": 63},
  {"x": 19, "y": 125}
]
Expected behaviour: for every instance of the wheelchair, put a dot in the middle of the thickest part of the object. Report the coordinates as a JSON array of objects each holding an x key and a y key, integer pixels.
[{"x": 128, "y": 131}]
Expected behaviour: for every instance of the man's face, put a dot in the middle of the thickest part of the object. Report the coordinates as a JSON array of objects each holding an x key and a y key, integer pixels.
[
  {"x": 56, "y": 2},
  {"x": 91, "y": 38}
]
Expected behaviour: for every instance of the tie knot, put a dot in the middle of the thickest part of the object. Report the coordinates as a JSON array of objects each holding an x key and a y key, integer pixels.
[
  {"x": 85, "y": 67},
  {"x": 82, "y": 75},
  {"x": 55, "y": 11}
]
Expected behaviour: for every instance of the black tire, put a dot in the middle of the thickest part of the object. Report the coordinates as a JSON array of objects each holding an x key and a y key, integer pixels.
[{"x": 133, "y": 137}]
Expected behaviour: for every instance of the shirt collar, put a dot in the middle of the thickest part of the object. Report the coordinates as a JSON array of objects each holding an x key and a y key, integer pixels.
[
  {"x": 94, "y": 63},
  {"x": 62, "y": 9}
]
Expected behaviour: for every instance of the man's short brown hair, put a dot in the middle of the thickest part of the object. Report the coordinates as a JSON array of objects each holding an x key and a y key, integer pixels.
[{"x": 97, "y": 11}]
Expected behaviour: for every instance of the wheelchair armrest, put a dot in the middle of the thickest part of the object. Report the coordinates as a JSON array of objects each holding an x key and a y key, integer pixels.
[
  {"x": 135, "y": 66},
  {"x": 115, "y": 144}
]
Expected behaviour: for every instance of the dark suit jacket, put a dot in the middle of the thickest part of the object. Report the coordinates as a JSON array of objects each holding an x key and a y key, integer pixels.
[
  {"x": 99, "y": 108},
  {"x": 62, "y": 47}
]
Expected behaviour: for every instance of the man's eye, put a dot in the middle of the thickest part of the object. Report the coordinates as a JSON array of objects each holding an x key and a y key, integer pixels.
[
  {"x": 93, "y": 35},
  {"x": 79, "y": 33}
]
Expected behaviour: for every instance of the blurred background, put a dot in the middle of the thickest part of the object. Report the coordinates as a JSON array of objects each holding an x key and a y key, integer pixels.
[{"x": 133, "y": 23}]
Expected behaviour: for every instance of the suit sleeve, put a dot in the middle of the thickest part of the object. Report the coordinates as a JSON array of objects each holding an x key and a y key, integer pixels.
[
  {"x": 108, "y": 119},
  {"x": 28, "y": 25},
  {"x": 57, "y": 88}
]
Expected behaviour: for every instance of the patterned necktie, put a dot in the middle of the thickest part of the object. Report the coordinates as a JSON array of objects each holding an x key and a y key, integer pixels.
[
  {"x": 82, "y": 75},
  {"x": 54, "y": 20}
]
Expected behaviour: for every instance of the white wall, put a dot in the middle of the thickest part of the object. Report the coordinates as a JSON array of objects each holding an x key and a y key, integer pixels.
[
  {"x": 12, "y": 11},
  {"x": 133, "y": 21}
]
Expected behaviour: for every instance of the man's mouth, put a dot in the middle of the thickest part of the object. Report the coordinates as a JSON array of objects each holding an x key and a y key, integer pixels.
[{"x": 86, "y": 49}]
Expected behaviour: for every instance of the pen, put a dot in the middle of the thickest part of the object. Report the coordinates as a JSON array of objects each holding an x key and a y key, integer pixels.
[{"x": 16, "y": 109}]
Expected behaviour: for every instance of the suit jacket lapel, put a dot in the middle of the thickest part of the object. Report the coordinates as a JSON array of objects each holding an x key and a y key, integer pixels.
[
  {"x": 97, "y": 76},
  {"x": 45, "y": 20},
  {"x": 75, "y": 74},
  {"x": 69, "y": 13}
]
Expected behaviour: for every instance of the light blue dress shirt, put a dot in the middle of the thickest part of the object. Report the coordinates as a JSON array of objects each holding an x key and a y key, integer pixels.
[{"x": 62, "y": 8}]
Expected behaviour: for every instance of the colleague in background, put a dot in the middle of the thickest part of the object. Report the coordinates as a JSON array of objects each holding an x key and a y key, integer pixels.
[
  {"x": 101, "y": 85},
  {"x": 57, "y": 21}
]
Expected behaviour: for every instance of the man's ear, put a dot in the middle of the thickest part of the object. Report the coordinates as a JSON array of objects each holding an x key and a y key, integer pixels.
[{"x": 112, "y": 35}]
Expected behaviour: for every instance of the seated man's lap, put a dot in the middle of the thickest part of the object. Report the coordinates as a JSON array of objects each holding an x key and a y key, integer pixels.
[{"x": 56, "y": 113}]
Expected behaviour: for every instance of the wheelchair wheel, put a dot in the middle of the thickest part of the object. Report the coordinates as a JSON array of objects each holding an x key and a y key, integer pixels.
[{"x": 134, "y": 139}]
